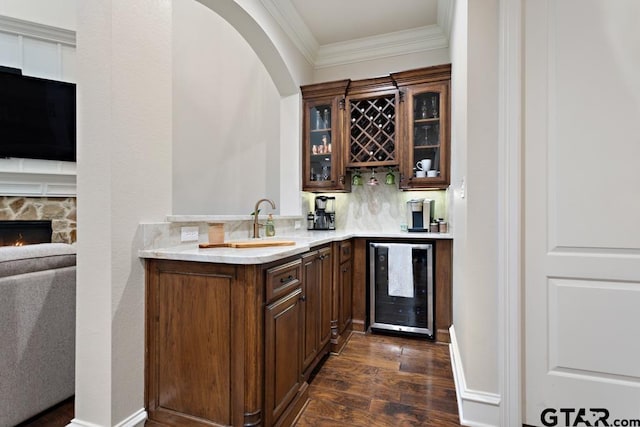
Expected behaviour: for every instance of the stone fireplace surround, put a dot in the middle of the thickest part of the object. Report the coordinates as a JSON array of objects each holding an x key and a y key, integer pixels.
[{"x": 60, "y": 210}]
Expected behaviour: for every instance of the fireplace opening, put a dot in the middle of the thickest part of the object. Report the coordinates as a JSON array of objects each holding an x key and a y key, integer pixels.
[{"x": 19, "y": 233}]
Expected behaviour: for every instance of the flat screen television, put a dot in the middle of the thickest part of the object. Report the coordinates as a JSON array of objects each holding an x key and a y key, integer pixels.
[{"x": 37, "y": 117}]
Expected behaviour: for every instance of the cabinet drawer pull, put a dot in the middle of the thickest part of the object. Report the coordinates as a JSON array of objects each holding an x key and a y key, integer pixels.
[{"x": 287, "y": 279}]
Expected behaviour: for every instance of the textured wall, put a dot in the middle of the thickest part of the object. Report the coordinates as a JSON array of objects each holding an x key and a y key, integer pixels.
[{"x": 60, "y": 210}]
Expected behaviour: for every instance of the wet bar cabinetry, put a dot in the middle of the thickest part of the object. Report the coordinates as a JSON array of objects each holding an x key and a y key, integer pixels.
[
  {"x": 323, "y": 166},
  {"x": 372, "y": 123},
  {"x": 235, "y": 344},
  {"x": 343, "y": 294},
  {"x": 425, "y": 119},
  {"x": 390, "y": 122}
]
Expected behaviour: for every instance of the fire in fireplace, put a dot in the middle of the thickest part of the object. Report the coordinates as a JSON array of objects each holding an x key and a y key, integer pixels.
[{"x": 19, "y": 233}]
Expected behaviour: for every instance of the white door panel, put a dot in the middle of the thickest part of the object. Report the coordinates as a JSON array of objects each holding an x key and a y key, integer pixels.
[{"x": 582, "y": 208}]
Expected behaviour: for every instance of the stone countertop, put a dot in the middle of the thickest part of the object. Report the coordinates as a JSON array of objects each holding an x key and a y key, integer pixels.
[{"x": 304, "y": 242}]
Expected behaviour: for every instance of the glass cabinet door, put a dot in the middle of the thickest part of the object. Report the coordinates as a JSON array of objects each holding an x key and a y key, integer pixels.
[
  {"x": 321, "y": 148},
  {"x": 320, "y": 144},
  {"x": 426, "y": 161}
]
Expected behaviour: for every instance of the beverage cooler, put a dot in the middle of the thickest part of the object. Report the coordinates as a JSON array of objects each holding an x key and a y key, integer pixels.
[{"x": 401, "y": 287}]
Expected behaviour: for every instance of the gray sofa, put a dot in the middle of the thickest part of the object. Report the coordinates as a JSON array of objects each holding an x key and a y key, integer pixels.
[{"x": 37, "y": 328}]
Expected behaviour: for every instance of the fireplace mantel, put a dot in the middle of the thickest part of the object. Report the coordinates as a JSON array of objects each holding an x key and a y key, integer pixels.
[{"x": 37, "y": 178}]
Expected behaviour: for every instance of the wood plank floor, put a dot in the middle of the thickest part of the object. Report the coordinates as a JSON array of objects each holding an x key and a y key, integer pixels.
[
  {"x": 376, "y": 381},
  {"x": 58, "y": 416},
  {"x": 380, "y": 380}
]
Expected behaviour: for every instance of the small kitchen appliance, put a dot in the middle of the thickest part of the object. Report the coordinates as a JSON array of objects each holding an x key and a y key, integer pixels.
[
  {"x": 419, "y": 214},
  {"x": 325, "y": 214}
]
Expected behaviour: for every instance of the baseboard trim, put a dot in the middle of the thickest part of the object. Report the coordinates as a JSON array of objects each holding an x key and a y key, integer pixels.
[
  {"x": 134, "y": 420},
  {"x": 475, "y": 408}
]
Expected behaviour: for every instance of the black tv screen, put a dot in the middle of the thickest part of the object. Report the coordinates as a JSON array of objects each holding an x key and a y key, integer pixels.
[{"x": 37, "y": 118}]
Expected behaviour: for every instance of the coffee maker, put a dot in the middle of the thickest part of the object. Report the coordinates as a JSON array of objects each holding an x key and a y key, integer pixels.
[
  {"x": 419, "y": 214},
  {"x": 325, "y": 215}
]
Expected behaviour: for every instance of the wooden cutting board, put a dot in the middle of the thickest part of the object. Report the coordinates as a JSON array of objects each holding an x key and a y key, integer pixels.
[{"x": 249, "y": 244}]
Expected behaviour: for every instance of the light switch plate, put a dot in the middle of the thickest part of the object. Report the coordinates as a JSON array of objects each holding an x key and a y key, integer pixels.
[{"x": 189, "y": 234}]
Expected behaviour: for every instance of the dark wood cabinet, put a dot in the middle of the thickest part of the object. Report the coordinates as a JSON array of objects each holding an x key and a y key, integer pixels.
[
  {"x": 323, "y": 167},
  {"x": 283, "y": 339},
  {"x": 196, "y": 342},
  {"x": 235, "y": 344},
  {"x": 343, "y": 296},
  {"x": 311, "y": 303},
  {"x": 425, "y": 139},
  {"x": 283, "y": 361},
  {"x": 372, "y": 123},
  {"x": 390, "y": 122},
  {"x": 326, "y": 279},
  {"x": 224, "y": 343},
  {"x": 316, "y": 302},
  {"x": 345, "y": 274}
]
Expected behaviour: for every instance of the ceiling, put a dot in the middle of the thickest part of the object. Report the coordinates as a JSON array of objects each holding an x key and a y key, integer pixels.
[
  {"x": 335, "y": 32},
  {"x": 332, "y": 21}
]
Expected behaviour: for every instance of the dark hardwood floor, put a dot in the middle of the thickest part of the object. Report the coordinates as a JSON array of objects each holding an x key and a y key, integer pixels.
[
  {"x": 380, "y": 380},
  {"x": 376, "y": 381},
  {"x": 58, "y": 416}
]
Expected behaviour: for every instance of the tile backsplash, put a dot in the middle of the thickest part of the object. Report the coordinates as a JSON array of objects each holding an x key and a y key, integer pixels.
[
  {"x": 367, "y": 208},
  {"x": 377, "y": 208}
]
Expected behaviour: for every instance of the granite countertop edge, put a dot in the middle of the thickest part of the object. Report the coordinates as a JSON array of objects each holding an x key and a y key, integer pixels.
[{"x": 303, "y": 243}]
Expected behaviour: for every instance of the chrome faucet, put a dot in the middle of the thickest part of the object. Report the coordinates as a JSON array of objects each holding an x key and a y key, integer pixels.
[{"x": 256, "y": 226}]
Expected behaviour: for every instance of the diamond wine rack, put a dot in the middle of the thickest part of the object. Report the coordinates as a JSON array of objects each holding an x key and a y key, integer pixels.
[{"x": 373, "y": 132}]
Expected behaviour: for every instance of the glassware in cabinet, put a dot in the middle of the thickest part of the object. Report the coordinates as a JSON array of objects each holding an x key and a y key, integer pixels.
[
  {"x": 320, "y": 145},
  {"x": 427, "y": 140}
]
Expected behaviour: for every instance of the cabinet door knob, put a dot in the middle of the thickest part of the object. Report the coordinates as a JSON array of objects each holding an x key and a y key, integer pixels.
[{"x": 303, "y": 298}]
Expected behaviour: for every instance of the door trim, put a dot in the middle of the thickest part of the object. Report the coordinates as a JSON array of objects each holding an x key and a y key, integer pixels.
[{"x": 510, "y": 223}]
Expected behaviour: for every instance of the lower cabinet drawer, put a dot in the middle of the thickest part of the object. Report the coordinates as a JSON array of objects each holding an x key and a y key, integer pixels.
[{"x": 282, "y": 279}]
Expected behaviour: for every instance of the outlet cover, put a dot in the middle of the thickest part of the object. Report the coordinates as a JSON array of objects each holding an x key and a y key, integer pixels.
[{"x": 189, "y": 234}]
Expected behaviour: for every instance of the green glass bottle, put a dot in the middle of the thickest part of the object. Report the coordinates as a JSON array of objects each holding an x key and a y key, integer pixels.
[{"x": 269, "y": 227}]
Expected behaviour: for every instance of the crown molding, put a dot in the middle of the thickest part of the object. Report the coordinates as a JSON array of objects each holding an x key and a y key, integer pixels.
[
  {"x": 397, "y": 43},
  {"x": 38, "y": 31},
  {"x": 414, "y": 40},
  {"x": 293, "y": 25}
]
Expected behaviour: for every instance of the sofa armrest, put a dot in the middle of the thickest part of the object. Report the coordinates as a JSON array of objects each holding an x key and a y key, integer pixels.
[{"x": 16, "y": 260}]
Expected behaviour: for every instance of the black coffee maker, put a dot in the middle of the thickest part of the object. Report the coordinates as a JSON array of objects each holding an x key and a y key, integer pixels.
[{"x": 325, "y": 215}]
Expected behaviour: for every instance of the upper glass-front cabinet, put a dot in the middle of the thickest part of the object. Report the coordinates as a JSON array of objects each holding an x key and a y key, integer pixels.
[
  {"x": 322, "y": 157},
  {"x": 426, "y": 158},
  {"x": 320, "y": 144}
]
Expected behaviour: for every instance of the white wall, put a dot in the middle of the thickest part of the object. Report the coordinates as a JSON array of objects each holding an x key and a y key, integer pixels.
[
  {"x": 476, "y": 312},
  {"x": 475, "y": 160},
  {"x": 226, "y": 121},
  {"x": 124, "y": 178}
]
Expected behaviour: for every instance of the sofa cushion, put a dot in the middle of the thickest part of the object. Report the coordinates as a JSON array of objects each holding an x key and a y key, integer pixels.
[{"x": 30, "y": 258}]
